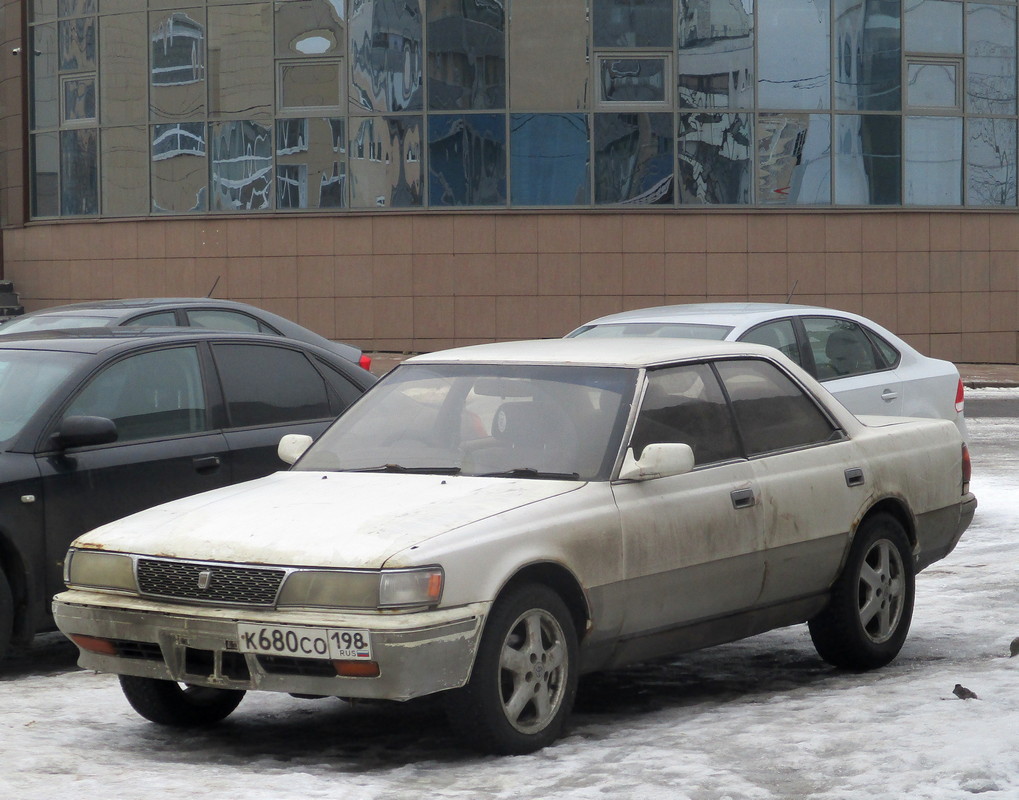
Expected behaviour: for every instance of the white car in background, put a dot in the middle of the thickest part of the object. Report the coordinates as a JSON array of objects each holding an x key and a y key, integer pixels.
[{"x": 867, "y": 367}]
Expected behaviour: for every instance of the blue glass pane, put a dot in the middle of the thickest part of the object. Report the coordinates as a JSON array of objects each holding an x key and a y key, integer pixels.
[
  {"x": 794, "y": 54},
  {"x": 633, "y": 159},
  {"x": 180, "y": 174},
  {"x": 990, "y": 59},
  {"x": 933, "y": 165},
  {"x": 386, "y": 55},
  {"x": 794, "y": 159},
  {"x": 868, "y": 53},
  {"x": 715, "y": 159},
  {"x": 466, "y": 159},
  {"x": 241, "y": 166},
  {"x": 868, "y": 160},
  {"x": 716, "y": 54},
  {"x": 311, "y": 163},
  {"x": 991, "y": 162},
  {"x": 79, "y": 181},
  {"x": 467, "y": 55},
  {"x": 385, "y": 162},
  {"x": 549, "y": 159},
  {"x": 632, "y": 23}
]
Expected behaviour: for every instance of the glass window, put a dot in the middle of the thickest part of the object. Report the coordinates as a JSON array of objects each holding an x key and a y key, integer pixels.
[
  {"x": 867, "y": 160},
  {"x": 549, "y": 39},
  {"x": 632, "y": 80},
  {"x": 466, "y": 160},
  {"x": 466, "y": 55},
  {"x": 840, "y": 348},
  {"x": 123, "y": 69},
  {"x": 772, "y": 412},
  {"x": 45, "y": 175},
  {"x": 310, "y": 28},
  {"x": 991, "y": 162},
  {"x": 79, "y": 99},
  {"x": 177, "y": 64},
  {"x": 990, "y": 59},
  {"x": 685, "y": 405},
  {"x": 267, "y": 385},
  {"x": 160, "y": 319},
  {"x": 868, "y": 51},
  {"x": 933, "y": 26},
  {"x": 45, "y": 85},
  {"x": 79, "y": 179},
  {"x": 386, "y": 56},
  {"x": 933, "y": 163},
  {"x": 77, "y": 44},
  {"x": 218, "y": 319},
  {"x": 125, "y": 171},
  {"x": 310, "y": 85},
  {"x": 148, "y": 396},
  {"x": 549, "y": 159},
  {"x": 311, "y": 163},
  {"x": 716, "y": 54},
  {"x": 632, "y": 23},
  {"x": 240, "y": 61},
  {"x": 385, "y": 162},
  {"x": 933, "y": 84},
  {"x": 715, "y": 158},
  {"x": 241, "y": 166},
  {"x": 778, "y": 334},
  {"x": 793, "y": 159},
  {"x": 180, "y": 178},
  {"x": 794, "y": 58},
  {"x": 633, "y": 158},
  {"x": 74, "y": 8}
]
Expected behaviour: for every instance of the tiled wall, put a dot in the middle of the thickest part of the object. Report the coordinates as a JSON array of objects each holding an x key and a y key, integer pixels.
[{"x": 947, "y": 281}]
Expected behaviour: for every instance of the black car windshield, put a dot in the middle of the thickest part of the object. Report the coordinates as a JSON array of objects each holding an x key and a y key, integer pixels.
[
  {"x": 520, "y": 421},
  {"x": 663, "y": 330},
  {"x": 27, "y": 378}
]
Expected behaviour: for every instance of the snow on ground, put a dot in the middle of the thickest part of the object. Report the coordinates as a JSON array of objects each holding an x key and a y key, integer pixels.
[{"x": 755, "y": 720}]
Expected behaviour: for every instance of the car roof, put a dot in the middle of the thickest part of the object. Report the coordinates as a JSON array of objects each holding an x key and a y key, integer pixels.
[
  {"x": 716, "y": 313},
  {"x": 622, "y": 352},
  {"x": 134, "y": 303},
  {"x": 95, "y": 340}
]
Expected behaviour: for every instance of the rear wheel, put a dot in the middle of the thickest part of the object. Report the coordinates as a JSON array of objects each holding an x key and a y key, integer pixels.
[
  {"x": 6, "y": 614},
  {"x": 179, "y": 705},
  {"x": 867, "y": 619}
]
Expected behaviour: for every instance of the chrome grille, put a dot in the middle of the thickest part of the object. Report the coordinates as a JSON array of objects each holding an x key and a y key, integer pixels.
[{"x": 209, "y": 583}]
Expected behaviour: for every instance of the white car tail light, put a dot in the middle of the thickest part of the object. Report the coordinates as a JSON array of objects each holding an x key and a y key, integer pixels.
[{"x": 960, "y": 397}]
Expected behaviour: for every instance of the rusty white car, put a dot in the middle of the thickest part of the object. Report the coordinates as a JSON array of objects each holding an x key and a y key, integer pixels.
[{"x": 491, "y": 522}]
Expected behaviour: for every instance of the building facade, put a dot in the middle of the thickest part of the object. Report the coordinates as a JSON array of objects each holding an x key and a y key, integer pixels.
[{"x": 412, "y": 174}]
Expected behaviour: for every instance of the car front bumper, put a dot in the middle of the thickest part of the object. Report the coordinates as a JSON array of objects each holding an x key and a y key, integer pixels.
[{"x": 417, "y": 653}]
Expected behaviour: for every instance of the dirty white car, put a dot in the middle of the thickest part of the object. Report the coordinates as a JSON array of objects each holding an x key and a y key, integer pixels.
[{"x": 494, "y": 521}]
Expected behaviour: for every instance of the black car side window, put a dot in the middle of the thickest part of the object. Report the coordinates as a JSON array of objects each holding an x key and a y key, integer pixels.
[
  {"x": 158, "y": 319},
  {"x": 217, "y": 319},
  {"x": 149, "y": 395},
  {"x": 772, "y": 411},
  {"x": 267, "y": 385},
  {"x": 686, "y": 405}
]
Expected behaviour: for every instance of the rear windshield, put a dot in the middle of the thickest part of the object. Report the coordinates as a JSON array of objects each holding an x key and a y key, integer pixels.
[{"x": 54, "y": 322}]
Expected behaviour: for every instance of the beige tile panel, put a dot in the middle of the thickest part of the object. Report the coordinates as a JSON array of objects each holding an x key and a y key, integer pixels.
[{"x": 877, "y": 272}]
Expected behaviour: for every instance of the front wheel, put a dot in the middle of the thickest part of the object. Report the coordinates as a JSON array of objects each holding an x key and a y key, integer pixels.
[
  {"x": 179, "y": 705},
  {"x": 524, "y": 678},
  {"x": 867, "y": 619}
]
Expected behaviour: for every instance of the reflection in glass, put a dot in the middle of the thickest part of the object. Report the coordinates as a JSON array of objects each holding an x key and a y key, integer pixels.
[
  {"x": 386, "y": 54},
  {"x": 549, "y": 39},
  {"x": 78, "y": 44},
  {"x": 311, "y": 163},
  {"x": 79, "y": 99},
  {"x": 794, "y": 52},
  {"x": 45, "y": 85},
  {"x": 179, "y": 167},
  {"x": 716, "y": 53},
  {"x": 868, "y": 160},
  {"x": 43, "y": 10},
  {"x": 241, "y": 166},
  {"x": 549, "y": 159},
  {"x": 715, "y": 159},
  {"x": 990, "y": 59},
  {"x": 74, "y": 8},
  {"x": 466, "y": 55},
  {"x": 933, "y": 26},
  {"x": 123, "y": 69},
  {"x": 310, "y": 28},
  {"x": 632, "y": 23},
  {"x": 933, "y": 168},
  {"x": 633, "y": 159},
  {"x": 310, "y": 85},
  {"x": 466, "y": 160},
  {"x": 793, "y": 159},
  {"x": 125, "y": 171},
  {"x": 385, "y": 162},
  {"x": 991, "y": 162},
  {"x": 240, "y": 61},
  {"x": 632, "y": 80},
  {"x": 79, "y": 177},
  {"x": 868, "y": 52},
  {"x": 933, "y": 85},
  {"x": 45, "y": 175},
  {"x": 177, "y": 66}
]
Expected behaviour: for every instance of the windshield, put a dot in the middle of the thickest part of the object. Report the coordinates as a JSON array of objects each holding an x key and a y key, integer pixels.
[
  {"x": 665, "y": 330},
  {"x": 54, "y": 322},
  {"x": 562, "y": 422},
  {"x": 26, "y": 379}
]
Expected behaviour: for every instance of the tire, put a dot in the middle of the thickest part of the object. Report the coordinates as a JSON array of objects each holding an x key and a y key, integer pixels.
[
  {"x": 6, "y": 615},
  {"x": 867, "y": 619},
  {"x": 178, "y": 705},
  {"x": 525, "y": 675}
]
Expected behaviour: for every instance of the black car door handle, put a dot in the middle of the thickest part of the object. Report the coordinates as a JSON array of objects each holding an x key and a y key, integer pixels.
[
  {"x": 206, "y": 463},
  {"x": 743, "y": 498}
]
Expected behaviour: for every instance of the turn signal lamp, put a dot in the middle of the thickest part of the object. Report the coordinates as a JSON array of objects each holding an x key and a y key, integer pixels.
[
  {"x": 103, "y": 647},
  {"x": 357, "y": 669}
]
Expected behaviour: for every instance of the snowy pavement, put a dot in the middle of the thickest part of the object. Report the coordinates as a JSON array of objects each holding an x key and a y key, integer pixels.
[{"x": 756, "y": 720}]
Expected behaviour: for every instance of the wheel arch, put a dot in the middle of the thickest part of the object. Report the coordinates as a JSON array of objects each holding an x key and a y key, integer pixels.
[
  {"x": 895, "y": 507},
  {"x": 563, "y": 582}
]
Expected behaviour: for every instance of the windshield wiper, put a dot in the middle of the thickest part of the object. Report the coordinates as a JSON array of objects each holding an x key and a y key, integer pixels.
[
  {"x": 409, "y": 470},
  {"x": 531, "y": 472}
]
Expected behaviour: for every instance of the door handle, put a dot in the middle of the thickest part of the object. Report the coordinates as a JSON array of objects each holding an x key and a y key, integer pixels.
[
  {"x": 888, "y": 395},
  {"x": 743, "y": 498},
  {"x": 854, "y": 477},
  {"x": 206, "y": 463}
]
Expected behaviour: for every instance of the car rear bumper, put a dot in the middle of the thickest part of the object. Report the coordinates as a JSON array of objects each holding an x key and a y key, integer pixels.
[
  {"x": 939, "y": 531},
  {"x": 417, "y": 653}
]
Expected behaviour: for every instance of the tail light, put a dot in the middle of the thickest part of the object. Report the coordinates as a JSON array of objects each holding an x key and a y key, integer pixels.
[
  {"x": 967, "y": 469},
  {"x": 960, "y": 397},
  {"x": 365, "y": 362}
]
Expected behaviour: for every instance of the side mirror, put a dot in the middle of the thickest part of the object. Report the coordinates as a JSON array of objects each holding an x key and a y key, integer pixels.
[
  {"x": 659, "y": 460},
  {"x": 292, "y": 447},
  {"x": 84, "y": 431}
]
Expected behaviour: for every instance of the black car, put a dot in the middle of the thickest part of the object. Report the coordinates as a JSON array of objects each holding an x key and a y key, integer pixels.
[{"x": 97, "y": 425}]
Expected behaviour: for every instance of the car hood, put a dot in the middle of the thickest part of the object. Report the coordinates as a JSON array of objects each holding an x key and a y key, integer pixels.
[{"x": 327, "y": 519}]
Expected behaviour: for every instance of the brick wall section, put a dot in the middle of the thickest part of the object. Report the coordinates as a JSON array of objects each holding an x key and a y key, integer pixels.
[{"x": 947, "y": 282}]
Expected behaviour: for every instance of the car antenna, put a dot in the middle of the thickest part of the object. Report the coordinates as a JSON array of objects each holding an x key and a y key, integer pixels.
[
  {"x": 787, "y": 299},
  {"x": 215, "y": 283}
]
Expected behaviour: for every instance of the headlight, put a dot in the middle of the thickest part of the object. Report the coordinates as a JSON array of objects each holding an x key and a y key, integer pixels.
[
  {"x": 410, "y": 587},
  {"x": 330, "y": 589},
  {"x": 100, "y": 570}
]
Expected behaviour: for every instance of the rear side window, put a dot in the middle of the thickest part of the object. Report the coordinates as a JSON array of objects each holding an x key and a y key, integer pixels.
[
  {"x": 841, "y": 348},
  {"x": 778, "y": 334},
  {"x": 215, "y": 319},
  {"x": 266, "y": 385},
  {"x": 772, "y": 412},
  {"x": 158, "y": 319}
]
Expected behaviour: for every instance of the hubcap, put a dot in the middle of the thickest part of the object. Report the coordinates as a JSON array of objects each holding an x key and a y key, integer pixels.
[
  {"x": 533, "y": 667},
  {"x": 882, "y": 591}
]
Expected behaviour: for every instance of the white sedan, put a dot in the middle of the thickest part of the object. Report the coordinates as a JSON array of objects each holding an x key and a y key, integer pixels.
[
  {"x": 489, "y": 523},
  {"x": 868, "y": 368}
]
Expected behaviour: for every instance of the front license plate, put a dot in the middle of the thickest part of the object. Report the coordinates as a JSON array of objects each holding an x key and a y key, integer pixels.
[{"x": 337, "y": 644}]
